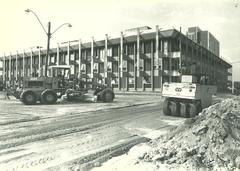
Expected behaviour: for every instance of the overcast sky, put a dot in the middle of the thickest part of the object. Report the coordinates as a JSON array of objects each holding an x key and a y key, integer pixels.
[{"x": 97, "y": 17}]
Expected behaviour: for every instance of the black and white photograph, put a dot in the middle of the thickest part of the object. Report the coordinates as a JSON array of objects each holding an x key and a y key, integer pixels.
[{"x": 120, "y": 85}]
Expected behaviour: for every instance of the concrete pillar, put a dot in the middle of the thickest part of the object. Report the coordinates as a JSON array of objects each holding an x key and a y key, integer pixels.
[
  {"x": 80, "y": 56},
  {"x": 180, "y": 49},
  {"x": 159, "y": 61},
  {"x": 23, "y": 73},
  {"x": 119, "y": 67},
  {"x": 152, "y": 66},
  {"x": 121, "y": 55},
  {"x": 10, "y": 68},
  {"x": 39, "y": 62},
  {"x": 16, "y": 66},
  {"x": 68, "y": 54},
  {"x": 135, "y": 66},
  {"x": 127, "y": 77},
  {"x": 138, "y": 53},
  {"x": 170, "y": 60},
  {"x": 92, "y": 51},
  {"x": 4, "y": 69},
  {"x": 58, "y": 54},
  {"x": 201, "y": 63},
  {"x": 31, "y": 62},
  {"x": 105, "y": 57}
]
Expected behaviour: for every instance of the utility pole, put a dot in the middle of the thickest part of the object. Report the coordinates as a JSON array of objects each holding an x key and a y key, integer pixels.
[
  {"x": 49, "y": 34},
  {"x": 48, "y": 46}
]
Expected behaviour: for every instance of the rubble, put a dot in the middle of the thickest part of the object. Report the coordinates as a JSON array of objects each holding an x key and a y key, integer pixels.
[{"x": 208, "y": 141}]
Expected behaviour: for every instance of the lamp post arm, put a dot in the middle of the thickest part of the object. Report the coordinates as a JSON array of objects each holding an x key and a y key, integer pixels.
[
  {"x": 38, "y": 20},
  {"x": 60, "y": 27}
]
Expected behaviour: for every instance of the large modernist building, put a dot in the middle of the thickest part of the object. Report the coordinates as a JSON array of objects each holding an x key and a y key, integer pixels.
[{"x": 139, "y": 59}]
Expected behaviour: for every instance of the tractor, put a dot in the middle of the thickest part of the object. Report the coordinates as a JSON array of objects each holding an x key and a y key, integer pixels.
[
  {"x": 47, "y": 90},
  {"x": 189, "y": 97}
]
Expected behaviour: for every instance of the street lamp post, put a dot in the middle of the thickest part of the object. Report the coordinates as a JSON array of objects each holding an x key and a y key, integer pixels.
[{"x": 49, "y": 34}]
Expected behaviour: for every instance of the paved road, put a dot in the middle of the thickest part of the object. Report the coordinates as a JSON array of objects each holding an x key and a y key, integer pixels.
[{"x": 62, "y": 137}]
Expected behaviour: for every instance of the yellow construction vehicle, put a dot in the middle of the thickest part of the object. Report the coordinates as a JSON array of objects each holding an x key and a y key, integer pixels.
[{"x": 47, "y": 90}]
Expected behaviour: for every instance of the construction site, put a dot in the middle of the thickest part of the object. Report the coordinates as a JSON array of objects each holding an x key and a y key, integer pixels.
[
  {"x": 159, "y": 94},
  {"x": 150, "y": 100}
]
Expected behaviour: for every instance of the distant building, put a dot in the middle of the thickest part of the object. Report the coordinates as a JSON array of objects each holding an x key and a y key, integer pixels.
[
  {"x": 204, "y": 38},
  {"x": 140, "y": 59}
]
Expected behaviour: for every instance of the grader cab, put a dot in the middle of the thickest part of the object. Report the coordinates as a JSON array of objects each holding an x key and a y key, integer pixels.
[
  {"x": 47, "y": 90},
  {"x": 187, "y": 98}
]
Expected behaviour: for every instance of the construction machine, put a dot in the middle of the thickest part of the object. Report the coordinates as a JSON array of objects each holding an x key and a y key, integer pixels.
[
  {"x": 47, "y": 90},
  {"x": 189, "y": 97}
]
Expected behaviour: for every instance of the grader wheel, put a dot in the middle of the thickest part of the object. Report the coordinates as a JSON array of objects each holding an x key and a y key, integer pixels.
[
  {"x": 166, "y": 109},
  {"x": 28, "y": 97},
  {"x": 107, "y": 95},
  {"x": 48, "y": 97}
]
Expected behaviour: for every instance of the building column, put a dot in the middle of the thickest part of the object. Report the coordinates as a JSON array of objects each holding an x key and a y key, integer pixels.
[
  {"x": 135, "y": 67},
  {"x": 157, "y": 58},
  {"x": 138, "y": 53},
  {"x": 119, "y": 68},
  {"x": 152, "y": 66},
  {"x": 10, "y": 68},
  {"x": 170, "y": 60},
  {"x": 31, "y": 62},
  {"x": 57, "y": 54},
  {"x": 121, "y": 58},
  {"x": 16, "y": 66},
  {"x": 127, "y": 76},
  {"x": 4, "y": 69},
  {"x": 180, "y": 49},
  {"x": 39, "y": 62},
  {"x": 68, "y": 54},
  {"x": 201, "y": 63},
  {"x": 105, "y": 57},
  {"x": 92, "y": 51},
  {"x": 191, "y": 59},
  {"x": 79, "y": 58},
  {"x": 23, "y": 73}
]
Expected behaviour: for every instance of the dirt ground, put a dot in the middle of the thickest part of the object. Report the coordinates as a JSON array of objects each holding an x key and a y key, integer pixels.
[
  {"x": 211, "y": 141},
  {"x": 76, "y": 136},
  {"x": 79, "y": 136}
]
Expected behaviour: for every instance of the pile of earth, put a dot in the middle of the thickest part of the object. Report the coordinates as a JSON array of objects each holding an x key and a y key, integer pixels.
[{"x": 210, "y": 141}]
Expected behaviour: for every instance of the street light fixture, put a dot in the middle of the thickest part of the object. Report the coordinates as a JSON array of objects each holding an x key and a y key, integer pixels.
[{"x": 48, "y": 33}]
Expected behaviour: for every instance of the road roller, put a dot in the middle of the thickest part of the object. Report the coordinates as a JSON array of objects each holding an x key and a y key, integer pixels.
[{"x": 188, "y": 97}]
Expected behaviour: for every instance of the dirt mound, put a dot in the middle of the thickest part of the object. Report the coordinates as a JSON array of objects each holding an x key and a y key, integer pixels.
[{"x": 209, "y": 141}]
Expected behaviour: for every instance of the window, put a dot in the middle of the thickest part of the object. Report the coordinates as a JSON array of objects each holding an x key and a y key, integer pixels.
[
  {"x": 72, "y": 57},
  {"x": 109, "y": 52},
  {"x": 109, "y": 65},
  {"x": 115, "y": 50},
  {"x": 130, "y": 49},
  {"x": 165, "y": 47},
  {"x": 102, "y": 54},
  {"x": 35, "y": 83},
  {"x": 83, "y": 67},
  {"x": 147, "y": 47},
  {"x": 52, "y": 59}
]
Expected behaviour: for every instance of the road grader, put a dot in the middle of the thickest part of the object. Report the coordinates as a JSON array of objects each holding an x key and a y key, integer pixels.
[
  {"x": 187, "y": 98},
  {"x": 47, "y": 90}
]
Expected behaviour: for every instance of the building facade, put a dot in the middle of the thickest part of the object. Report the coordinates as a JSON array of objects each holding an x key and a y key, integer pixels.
[{"x": 141, "y": 61}]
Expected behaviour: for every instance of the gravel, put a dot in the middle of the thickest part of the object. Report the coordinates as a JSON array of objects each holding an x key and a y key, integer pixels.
[{"x": 210, "y": 141}]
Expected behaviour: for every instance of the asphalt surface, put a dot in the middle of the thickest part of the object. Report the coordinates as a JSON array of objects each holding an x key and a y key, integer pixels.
[
  {"x": 71, "y": 136},
  {"x": 78, "y": 136}
]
